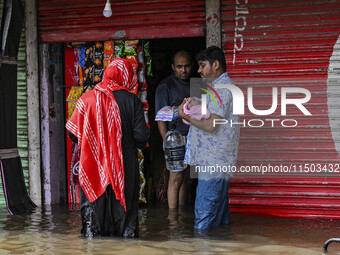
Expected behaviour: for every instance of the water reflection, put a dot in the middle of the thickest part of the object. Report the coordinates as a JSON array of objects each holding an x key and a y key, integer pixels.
[{"x": 54, "y": 230}]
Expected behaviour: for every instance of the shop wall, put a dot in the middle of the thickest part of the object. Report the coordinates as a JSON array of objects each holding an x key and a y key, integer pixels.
[
  {"x": 287, "y": 44},
  {"x": 72, "y": 20}
]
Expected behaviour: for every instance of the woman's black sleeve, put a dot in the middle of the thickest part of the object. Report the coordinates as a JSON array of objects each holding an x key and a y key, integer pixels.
[
  {"x": 141, "y": 130},
  {"x": 72, "y": 137}
]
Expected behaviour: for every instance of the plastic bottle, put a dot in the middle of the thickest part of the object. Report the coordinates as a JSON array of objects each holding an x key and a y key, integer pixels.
[{"x": 174, "y": 151}]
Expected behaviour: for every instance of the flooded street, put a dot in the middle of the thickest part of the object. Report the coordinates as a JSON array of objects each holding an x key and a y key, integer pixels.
[{"x": 57, "y": 231}]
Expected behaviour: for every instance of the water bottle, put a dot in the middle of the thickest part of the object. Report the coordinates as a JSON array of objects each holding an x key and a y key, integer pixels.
[{"x": 174, "y": 151}]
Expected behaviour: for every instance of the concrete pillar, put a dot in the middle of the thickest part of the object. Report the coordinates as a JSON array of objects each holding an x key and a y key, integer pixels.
[
  {"x": 213, "y": 22},
  {"x": 52, "y": 124},
  {"x": 45, "y": 124},
  {"x": 34, "y": 160}
]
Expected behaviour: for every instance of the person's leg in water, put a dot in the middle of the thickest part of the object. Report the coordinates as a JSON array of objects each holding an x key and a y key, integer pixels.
[
  {"x": 175, "y": 183},
  {"x": 183, "y": 191},
  {"x": 177, "y": 187},
  {"x": 211, "y": 204},
  {"x": 173, "y": 218}
]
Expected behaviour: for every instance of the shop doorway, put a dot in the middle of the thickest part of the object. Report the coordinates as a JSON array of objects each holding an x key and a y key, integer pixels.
[{"x": 162, "y": 51}]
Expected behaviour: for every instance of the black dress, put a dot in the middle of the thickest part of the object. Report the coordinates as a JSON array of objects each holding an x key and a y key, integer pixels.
[{"x": 106, "y": 216}]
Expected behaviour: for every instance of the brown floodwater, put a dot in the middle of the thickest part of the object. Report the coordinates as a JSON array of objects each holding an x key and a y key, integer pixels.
[{"x": 56, "y": 230}]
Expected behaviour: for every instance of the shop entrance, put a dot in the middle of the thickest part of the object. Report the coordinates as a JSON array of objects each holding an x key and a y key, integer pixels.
[{"x": 161, "y": 51}]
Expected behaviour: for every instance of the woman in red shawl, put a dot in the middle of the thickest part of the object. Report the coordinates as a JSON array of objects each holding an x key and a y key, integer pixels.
[{"x": 109, "y": 125}]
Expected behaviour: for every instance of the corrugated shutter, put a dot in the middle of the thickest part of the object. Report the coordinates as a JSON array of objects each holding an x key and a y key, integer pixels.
[
  {"x": 287, "y": 44},
  {"x": 22, "y": 128},
  {"x": 21, "y": 108},
  {"x": 71, "y": 20}
]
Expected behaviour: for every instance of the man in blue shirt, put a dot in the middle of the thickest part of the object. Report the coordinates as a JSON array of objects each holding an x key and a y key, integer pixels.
[
  {"x": 213, "y": 146},
  {"x": 170, "y": 92}
]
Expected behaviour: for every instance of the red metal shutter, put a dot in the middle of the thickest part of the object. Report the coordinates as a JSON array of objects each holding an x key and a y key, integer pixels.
[
  {"x": 74, "y": 20},
  {"x": 287, "y": 44}
]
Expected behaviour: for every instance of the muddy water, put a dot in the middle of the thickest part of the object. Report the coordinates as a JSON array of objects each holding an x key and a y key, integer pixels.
[{"x": 56, "y": 231}]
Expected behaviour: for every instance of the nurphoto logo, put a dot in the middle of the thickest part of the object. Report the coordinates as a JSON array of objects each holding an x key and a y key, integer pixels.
[{"x": 300, "y": 97}]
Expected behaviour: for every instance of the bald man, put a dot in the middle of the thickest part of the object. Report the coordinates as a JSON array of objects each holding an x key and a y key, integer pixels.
[{"x": 170, "y": 92}]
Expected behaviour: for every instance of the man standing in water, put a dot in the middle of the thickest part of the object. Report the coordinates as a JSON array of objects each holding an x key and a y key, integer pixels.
[
  {"x": 213, "y": 145},
  {"x": 171, "y": 92}
]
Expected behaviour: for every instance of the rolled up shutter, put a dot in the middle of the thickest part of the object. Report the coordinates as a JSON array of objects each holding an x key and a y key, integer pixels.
[{"x": 71, "y": 20}]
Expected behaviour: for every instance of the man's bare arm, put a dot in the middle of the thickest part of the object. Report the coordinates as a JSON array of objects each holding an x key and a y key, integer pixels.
[{"x": 162, "y": 127}]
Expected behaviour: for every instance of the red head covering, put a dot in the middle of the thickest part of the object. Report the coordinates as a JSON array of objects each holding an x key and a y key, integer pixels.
[
  {"x": 97, "y": 124},
  {"x": 118, "y": 75}
]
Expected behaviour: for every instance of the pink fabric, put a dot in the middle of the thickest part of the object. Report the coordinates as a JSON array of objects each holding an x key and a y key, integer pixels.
[
  {"x": 185, "y": 108},
  {"x": 195, "y": 112}
]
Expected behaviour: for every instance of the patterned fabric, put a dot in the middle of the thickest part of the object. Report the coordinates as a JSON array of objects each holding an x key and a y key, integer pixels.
[
  {"x": 97, "y": 124},
  {"x": 81, "y": 55},
  {"x": 220, "y": 147},
  {"x": 187, "y": 150},
  {"x": 195, "y": 112}
]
